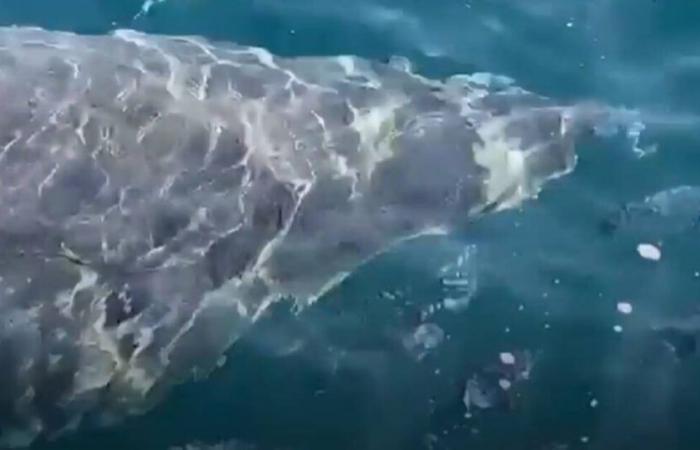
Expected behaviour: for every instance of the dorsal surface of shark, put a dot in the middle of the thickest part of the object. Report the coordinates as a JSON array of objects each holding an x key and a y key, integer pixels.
[{"x": 158, "y": 192}]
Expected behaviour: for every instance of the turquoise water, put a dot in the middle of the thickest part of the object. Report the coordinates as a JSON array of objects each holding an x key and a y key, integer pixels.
[{"x": 549, "y": 275}]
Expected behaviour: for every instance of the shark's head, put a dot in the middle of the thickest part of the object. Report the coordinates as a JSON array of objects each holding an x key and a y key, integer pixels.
[{"x": 457, "y": 156}]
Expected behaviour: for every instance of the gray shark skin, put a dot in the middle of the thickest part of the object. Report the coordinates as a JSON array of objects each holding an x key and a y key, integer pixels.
[{"x": 157, "y": 193}]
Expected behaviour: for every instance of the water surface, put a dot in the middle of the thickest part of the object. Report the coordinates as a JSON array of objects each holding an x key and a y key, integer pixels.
[{"x": 544, "y": 280}]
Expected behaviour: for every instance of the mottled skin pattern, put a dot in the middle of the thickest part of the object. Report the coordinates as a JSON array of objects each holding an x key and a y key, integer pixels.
[{"x": 157, "y": 193}]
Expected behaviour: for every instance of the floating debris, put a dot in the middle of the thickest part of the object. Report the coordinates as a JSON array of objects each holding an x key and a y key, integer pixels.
[
  {"x": 617, "y": 328},
  {"x": 504, "y": 384},
  {"x": 649, "y": 251},
  {"x": 594, "y": 403},
  {"x": 507, "y": 358},
  {"x": 624, "y": 308}
]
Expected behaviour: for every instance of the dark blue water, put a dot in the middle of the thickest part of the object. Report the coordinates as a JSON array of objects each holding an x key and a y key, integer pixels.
[{"x": 549, "y": 275}]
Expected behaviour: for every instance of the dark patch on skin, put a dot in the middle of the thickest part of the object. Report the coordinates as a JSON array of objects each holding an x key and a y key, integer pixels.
[
  {"x": 280, "y": 218},
  {"x": 346, "y": 143},
  {"x": 404, "y": 181},
  {"x": 334, "y": 110},
  {"x": 82, "y": 303},
  {"x": 115, "y": 310},
  {"x": 142, "y": 113},
  {"x": 536, "y": 128},
  {"x": 270, "y": 213},
  {"x": 23, "y": 234},
  {"x": 167, "y": 222},
  {"x": 225, "y": 179},
  {"x": 359, "y": 96},
  {"x": 74, "y": 183},
  {"x": 271, "y": 204},
  {"x": 230, "y": 148},
  {"x": 121, "y": 306},
  {"x": 427, "y": 101},
  {"x": 163, "y": 138},
  {"x": 127, "y": 346},
  {"x": 58, "y": 75},
  {"x": 229, "y": 256},
  {"x": 194, "y": 145},
  {"x": 224, "y": 77}
]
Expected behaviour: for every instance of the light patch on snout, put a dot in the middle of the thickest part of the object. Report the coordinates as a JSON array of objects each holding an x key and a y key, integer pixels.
[{"x": 513, "y": 174}]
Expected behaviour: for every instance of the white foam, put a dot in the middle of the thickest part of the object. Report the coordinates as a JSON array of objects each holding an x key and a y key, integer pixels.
[
  {"x": 649, "y": 252},
  {"x": 624, "y": 308},
  {"x": 507, "y": 358},
  {"x": 147, "y": 6}
]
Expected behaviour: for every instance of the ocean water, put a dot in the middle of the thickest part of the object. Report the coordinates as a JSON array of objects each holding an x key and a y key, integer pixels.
[{"x": 602, "y": 338}]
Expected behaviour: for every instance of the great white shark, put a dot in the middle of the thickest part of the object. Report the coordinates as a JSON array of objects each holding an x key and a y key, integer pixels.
[{"x": 157, "y": 193}]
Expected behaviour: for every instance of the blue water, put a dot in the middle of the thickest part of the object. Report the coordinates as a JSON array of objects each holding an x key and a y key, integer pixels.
[{"x": 338, "y": 376}]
